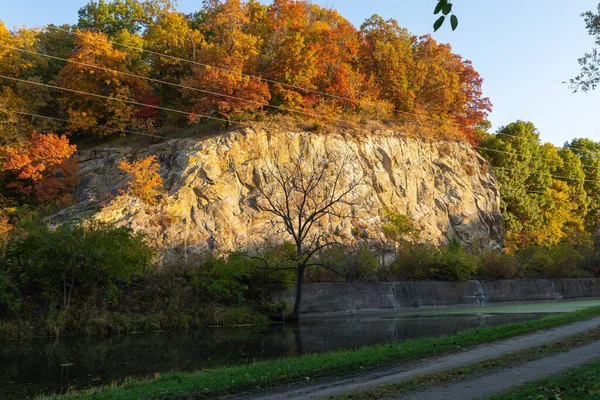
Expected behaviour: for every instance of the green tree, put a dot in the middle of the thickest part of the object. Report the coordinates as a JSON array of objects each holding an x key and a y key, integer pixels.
[
  {"x": 588, "y": 152},
  {"x": 114, "y": 16},
  {"x": 523, "y": 178},
  {"x": 70, "y": 261},
  {"x": 589, "y": 77}
]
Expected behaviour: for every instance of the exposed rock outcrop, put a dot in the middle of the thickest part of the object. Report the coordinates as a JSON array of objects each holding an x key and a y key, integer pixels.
[{"x": 445, "y": 188}]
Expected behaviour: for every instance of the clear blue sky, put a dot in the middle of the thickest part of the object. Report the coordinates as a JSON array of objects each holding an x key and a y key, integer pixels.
[{"x": 524, "y": 50}]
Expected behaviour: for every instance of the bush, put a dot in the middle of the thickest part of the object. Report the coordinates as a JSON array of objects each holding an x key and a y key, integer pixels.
[
  {"x": 146, "y": 183},
  {"x": 221, "y": 280},
  {"x": 239, "y": 277},
  {"x": 342, "y": 263},
  {"x": 560, "y": 261},
  {"x": 72, "y": 260},
  {"x": 497, "y": 265},
  {"x": 421, "y": 262},
  {"x": 263, "y": 282},
  {"x": 10, "y": 300}
]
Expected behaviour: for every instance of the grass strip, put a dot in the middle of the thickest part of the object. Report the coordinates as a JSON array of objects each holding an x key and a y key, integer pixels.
[
  {"x": 264, "y": 374},
  {"x": 475, "y": 370},
  {"x": 581, "y": 383}
]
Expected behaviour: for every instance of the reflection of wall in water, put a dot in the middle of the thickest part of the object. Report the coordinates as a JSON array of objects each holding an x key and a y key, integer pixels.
[{"x": 331, "y": 335}]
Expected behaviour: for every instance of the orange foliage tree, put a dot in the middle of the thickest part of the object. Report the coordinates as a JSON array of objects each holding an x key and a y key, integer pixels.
[
  {"x": 146, "y": 183},
  {"x": 447, "y": 86},
  {"x": 95, "y": 49},
  {"x": 42, "y": 167},
  {"x": 233, "y": 52}
]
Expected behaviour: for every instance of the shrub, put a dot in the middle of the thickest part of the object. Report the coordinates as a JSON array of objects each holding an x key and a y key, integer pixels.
[
  {"x": 347, "y": 264},
  {"x": 220, "y": 280},
  {"x": 72, "y": 260},
  {"x": 452, "y": 262},
  {"x": 420, "y": 262},
  {"x": 498, "y": 265},
  {"x": 232, "y": 280},
  {"x": 560, "y": 261},
  {"x": 10, "y": 301},
  {"x": 263, "y": 282},
  {"x": 145, "y": 182},
  {"x": 398, "y": 227}
]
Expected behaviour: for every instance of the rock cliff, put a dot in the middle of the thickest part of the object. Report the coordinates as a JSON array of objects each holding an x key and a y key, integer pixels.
[{"x": 445, "y": 188}]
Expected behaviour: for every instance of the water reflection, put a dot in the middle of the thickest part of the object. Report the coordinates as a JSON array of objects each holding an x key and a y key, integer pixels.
[{"x": 42, "y": 366}]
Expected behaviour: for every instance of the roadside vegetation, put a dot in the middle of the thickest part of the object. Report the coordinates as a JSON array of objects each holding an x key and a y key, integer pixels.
[
  {"x": 260, "y": 375},
  {"x": 579, "y": 383},
  {"x": 462, "y": 374}
]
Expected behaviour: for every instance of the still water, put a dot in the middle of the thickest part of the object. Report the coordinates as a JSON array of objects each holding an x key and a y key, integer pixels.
[{"x": 40, "y": 366}]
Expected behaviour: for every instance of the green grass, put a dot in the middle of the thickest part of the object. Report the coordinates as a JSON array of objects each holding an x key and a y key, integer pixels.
[
  {"x": 471, "y": 371},
  {"x": 210, "y": 383},
  {"x": 579, "y": 383}
]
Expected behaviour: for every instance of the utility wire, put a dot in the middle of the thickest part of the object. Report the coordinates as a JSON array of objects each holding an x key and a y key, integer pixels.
[
  {"x": 122, "y": 100},
  {"x": 248, "y": 75},
  {"x": 89, "y": 125},
  {"x": 281, "y": 108},
  {"x": 223, "y": 119},
  {"x": 168, "y": 138},
  {"x": 275, "y": 82}
]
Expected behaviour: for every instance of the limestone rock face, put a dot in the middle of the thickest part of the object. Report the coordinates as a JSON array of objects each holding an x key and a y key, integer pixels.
[{"x": 210, "y": 190}]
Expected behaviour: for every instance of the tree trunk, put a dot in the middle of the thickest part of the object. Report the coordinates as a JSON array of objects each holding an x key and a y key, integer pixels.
[{"x": 298, "y": 301}]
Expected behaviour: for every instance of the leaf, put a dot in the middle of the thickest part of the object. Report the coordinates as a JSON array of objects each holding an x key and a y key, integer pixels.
[
  {"x": 438, "y": 23},
  {"x": 446, "y": 9},
  {"x": 438, "y": 8},
  {"x": 454, "y": 22}
]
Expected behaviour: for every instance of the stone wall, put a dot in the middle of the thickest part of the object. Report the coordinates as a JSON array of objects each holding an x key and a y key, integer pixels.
[{"x": 321, "y": 298}]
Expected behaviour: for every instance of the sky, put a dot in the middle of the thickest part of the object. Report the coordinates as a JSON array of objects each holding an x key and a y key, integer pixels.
[{"x": 524, "y": 50}]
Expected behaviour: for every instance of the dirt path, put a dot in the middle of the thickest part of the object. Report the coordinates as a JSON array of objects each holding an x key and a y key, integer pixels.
[
  {"x": 501, "y": 381},
  {"x": 405, "y": 372}
]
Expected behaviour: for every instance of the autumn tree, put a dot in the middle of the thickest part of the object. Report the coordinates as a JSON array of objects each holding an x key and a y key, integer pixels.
[
  {"x": 42, "y": 168},
  {"x": 94, "y": 49},
  {"x": 386, "y": 58},
  {"x": 145, "y": 181},
  {"x": 302, "y": 193},
  {"x": 309, "y": 47},
  {"x": 173, "y": 35},
  {"x": 447, "y": 87},
  {"x": 232, "y": 56},
  {"x": 588, "y": 152}
]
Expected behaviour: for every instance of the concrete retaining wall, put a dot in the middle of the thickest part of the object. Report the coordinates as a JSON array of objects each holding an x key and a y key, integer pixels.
[{"x": 321, "y": 298}]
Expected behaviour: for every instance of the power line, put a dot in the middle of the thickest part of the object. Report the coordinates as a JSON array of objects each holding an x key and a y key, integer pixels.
[
  {"x": 168, "y": 138},
  {"x": 274, "y": 82},
  {"x": 250, "y": 76},
  {"x": 532, "y": 157},
  {"x": 583, "y": 195},
  {"x": 222, "y": 119},
  {"x": 89, "y": 125},
  {"x": 209, "y": 117},
  {"x": 178, "y": 85},
  {"x": 550, "y": 175},
  {"x": 122, "y": 100}
]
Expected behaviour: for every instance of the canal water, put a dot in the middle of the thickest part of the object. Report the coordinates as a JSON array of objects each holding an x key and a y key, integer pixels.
[{"x": 39, "y": 366}]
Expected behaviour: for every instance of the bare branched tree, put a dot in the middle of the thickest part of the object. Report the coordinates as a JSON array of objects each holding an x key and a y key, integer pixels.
[{"x": 302, "y": 193}]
